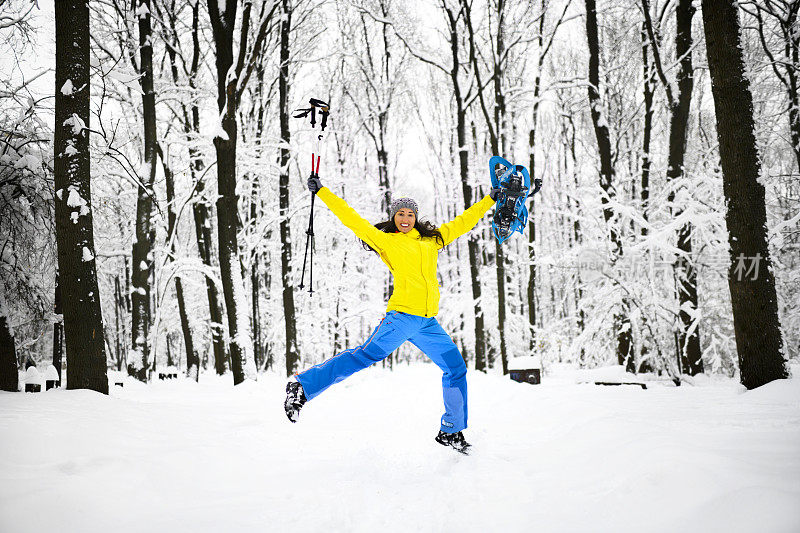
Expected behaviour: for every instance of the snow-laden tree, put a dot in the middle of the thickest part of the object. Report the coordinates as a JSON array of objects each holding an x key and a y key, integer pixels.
[
  {"x": 27, "y": 244},
  {"x": 410, "y": 87},
  {"x": 233, "y": 74},
  {"x": 754, "y": 300},
  {"x": 83, "y": 320},
  {"x": 142, "y": 256}
]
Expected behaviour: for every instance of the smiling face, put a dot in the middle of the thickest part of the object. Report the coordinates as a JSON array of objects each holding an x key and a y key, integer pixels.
[{"x": 404, "y": 219}]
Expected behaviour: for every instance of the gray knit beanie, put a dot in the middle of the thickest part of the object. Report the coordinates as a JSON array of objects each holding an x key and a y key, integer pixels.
[{"x": 400, "y": 203}]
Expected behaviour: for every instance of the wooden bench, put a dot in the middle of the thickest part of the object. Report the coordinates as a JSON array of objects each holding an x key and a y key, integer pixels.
[
  {"x": 642, "y": 385},
  {"x": 526, "y": 369}
]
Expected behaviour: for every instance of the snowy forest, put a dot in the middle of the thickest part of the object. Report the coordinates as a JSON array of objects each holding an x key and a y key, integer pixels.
[
  {"x": 154, "y": 206},
  {"x": 633, "y": 355}
]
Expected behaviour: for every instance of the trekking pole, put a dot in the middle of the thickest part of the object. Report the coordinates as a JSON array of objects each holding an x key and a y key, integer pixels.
[
  {"x": 311, "y": 231},
  {"x": 311, "y": 111},
  {"x": 310, "y": 239}
]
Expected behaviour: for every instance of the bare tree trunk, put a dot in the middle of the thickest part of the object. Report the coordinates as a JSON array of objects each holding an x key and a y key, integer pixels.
[
  {"x": 383, "y": 161},
  {"x": 499, "y": 146},
  {"x": 496, "y": 126},
  {"x": 621, "y": 322},
  {"x": 537, "y": 85},
  {"x": 785, "y": 68},
  {"x": 468, "y": 195},
  {"x": 58, "y": 327},
  {"x": 337, "y": 333},
  {"x": 9, "y": 374},
  {"x": 686, "y": 274},
  {"x": 204, "y": 234},
  {"x": 256, "y": 210},
  {"x": 648, "y": 91},
  {"x": 242, "y": 364},
  {"x": 201, "y": 209},
  {"x": 205, "y": 238},
  {"x": 792, "y": 90},
  {"x": 755, "y": 307},
  {"x": 255, "y": 275},
  {"x": 576, "y": 228},
  {"x": 201, "y": 218},
  {"x": 269, "y": 360},
  {"x": 83, "y": 318},
  {"x": 141, "y": 255},
  {"x": 383, "y": 185},
  {"x": 255, "y": 290},
  {"x": 192, "y": 359},
  {"x": 292, "y": 355},
  {"x": 687, "y": 334},
  {"x": 117, "y": 323},
  {"x": 119, "y": 317},
  {"x": 531, "y": 290},
  {"x": 168, "y": 344},
  {"x": 383, "y": 122}
]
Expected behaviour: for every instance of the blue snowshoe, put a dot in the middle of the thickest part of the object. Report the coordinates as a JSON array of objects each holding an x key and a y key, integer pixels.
[{"x": 511, "y": 213}]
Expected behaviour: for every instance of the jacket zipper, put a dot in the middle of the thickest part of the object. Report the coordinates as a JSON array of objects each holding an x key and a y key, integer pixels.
[{"x": 422, "y": 271}]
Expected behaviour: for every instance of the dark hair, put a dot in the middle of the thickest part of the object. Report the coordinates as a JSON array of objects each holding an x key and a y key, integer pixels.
[{"x": 425, "y": 228}]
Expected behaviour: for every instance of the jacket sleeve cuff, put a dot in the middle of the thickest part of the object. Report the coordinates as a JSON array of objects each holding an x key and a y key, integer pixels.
[{"x": 325, "y": 194}]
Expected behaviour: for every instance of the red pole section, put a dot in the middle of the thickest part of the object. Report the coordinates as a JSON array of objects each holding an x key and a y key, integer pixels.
[{"x": 318, "y": 158}]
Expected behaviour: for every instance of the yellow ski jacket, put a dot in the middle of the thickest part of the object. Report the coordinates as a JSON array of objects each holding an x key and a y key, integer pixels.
[{"x": 410, "y": 257}]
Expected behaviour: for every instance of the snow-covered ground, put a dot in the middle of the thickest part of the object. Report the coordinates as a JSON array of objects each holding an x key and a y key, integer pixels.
[{"x": 178, "y": 456}]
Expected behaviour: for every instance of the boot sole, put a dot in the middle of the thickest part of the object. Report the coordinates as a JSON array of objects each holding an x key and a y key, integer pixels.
[{"x": 463, "y": 451}]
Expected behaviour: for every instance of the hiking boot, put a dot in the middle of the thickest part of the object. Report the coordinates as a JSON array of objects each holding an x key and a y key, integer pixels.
[
  {"x": 295, "y": 399},
  {"x": 454, "y": 440}
]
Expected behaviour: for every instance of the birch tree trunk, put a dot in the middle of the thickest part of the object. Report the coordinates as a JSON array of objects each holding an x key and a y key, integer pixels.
[
  {"x": 755, "y": 307},
  {"x": 83, "y": 319}
]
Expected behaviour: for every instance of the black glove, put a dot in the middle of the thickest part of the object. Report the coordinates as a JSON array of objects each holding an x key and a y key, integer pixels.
[
  {"x": 494, "y": 193},
  {"x": 314, "y": 184}
]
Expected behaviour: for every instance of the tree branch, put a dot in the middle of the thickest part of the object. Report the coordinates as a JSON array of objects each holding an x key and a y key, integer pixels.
[
  {"x": 648, "y": 22},
  {"x": 256, "y": 52}
]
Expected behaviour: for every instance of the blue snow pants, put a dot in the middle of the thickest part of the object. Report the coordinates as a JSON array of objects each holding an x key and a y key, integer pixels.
[{"x": 396, "y": 328}]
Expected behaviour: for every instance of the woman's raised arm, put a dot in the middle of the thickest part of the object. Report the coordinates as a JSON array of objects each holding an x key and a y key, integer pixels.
[
  {"x": 351, "y": 219},
  {"x": 465, "y": 221}
]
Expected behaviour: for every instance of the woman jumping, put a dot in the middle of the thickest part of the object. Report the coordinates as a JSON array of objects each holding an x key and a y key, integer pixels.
[{"x": 409, "y": 247}]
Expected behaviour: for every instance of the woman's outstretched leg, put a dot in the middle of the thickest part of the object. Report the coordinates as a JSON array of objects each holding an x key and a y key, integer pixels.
[
  {"x": 432, "y": 340},
  {"x": 390, "y": 333}
]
